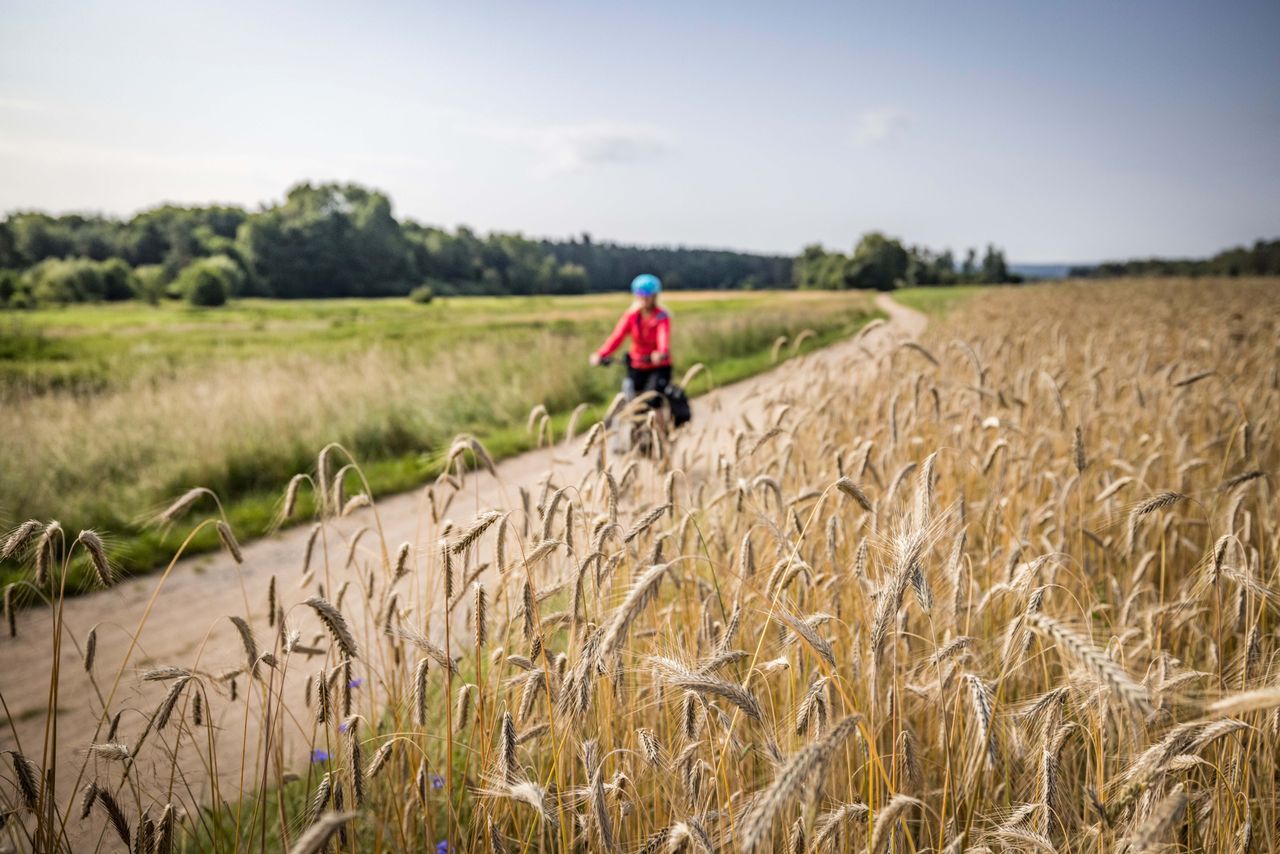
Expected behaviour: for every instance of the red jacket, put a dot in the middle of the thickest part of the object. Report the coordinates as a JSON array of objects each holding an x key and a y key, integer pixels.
[{"x": 650, "y": 333}]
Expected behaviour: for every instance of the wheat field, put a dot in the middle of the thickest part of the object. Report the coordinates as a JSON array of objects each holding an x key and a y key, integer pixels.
[{"x": 1013, "y": 589}]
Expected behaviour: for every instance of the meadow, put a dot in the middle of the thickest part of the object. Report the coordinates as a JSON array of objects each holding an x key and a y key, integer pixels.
[
  {"x": 1011, "y": 587},
  {"x": 111, "y": 411}
]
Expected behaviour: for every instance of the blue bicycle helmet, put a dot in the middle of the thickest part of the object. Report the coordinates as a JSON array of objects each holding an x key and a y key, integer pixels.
[{"x": 646, "y": 285}]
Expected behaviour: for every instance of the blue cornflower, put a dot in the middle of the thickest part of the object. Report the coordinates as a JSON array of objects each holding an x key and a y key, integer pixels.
[
  {"x": 319, "y": 755},
  {"x": 437, "y": 782},
  {"x": 355, "y": 683},
  {"x": 443, "y": 847}
]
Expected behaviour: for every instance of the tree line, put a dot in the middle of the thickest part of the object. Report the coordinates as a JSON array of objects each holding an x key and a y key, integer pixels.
[
  {"x": 884, "y": 263},
  {"x": 327, "y": 240},
  {"x": 1261, "y": 259},
  {"x": 336, "y": 240}
]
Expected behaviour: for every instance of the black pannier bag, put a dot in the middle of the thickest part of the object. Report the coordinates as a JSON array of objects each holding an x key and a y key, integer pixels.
[{"x": 679, "y": 403}]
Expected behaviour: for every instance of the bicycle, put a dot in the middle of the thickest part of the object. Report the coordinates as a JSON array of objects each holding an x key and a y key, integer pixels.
[{"x": 642, "y": 422}]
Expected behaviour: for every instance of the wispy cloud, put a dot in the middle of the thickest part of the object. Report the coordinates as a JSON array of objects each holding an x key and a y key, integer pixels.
[
  {"x": 589, "y": 145},
  {"x": 880, "y": 126},
  {"x": 576, "y": 147}
]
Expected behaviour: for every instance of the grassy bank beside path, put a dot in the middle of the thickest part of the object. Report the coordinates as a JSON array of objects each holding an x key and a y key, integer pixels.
[{"x": 112, "y": 411}]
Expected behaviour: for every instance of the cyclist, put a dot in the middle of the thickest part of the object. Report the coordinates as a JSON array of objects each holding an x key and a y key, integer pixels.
[{"x": 648, "y": 326}]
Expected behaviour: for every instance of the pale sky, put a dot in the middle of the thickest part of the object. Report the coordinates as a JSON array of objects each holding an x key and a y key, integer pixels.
[{"x": 1063, "y": 131}]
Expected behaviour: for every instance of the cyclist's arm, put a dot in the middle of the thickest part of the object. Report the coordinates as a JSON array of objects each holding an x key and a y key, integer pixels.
[
  {"x": 614, "y": 341},
  {"x": 663, "y": 349}
]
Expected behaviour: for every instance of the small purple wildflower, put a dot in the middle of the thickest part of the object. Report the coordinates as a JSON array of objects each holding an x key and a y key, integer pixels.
[
  {"x": 437, "y": 782},
  {"x": 356, "y": 683},
  {"x": 319, "y": 755},
  {"x": 344, "y": 726},
  {"x": 443, "y": 847}
]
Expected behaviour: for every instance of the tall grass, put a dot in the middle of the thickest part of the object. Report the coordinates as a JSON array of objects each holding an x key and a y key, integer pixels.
[
  {"x": 1015, "y": 589},
  {"x": 244, "y": 404}
]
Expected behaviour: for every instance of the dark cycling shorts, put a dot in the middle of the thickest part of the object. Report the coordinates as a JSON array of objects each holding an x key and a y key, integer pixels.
[{"x": 653, "y": 379}]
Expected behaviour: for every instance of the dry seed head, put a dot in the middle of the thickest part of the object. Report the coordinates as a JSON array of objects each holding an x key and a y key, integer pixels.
[
  {"x": 336, "y": 624},
  {"x": 677, "y": 676},
  {"x": 229, "y": 541},
  {"x": 462, "y": 712},
  {"x": 643, "y": 525},
  {"x": 27, "y": 777},
  {"x": 379, "y": 760},
  {"x": 311, "y": 547},
  {"x": 402, "y": 562},
  {"x": 165, "y": 710},
  {"x": 181, "y": 505},
  {"x": 424, "y": 643},
  {"x": 1243, "y": 477},
  {"x": 649, "y": 744},
  {"x": 323, "y": 703},
  {"x": 87, "y": 798},
  {"x": 355, "y": 503},
  {"x": 116, "y": 816},
  {"x": 534, "y": 796},
  {"x": 795, "y": 839},
  {"x": 320, "y": 800},
  {"x": 642, "y": 592},
  {"x": 90, "y": 649},
  {"x": 827, "y": 828},
  {"x": 805, "y": 632},
  {"x": 507, "y": 763},
  {"x": 446, "y": 566},
  {"x": 476, "y": 530},
  {"x": 316, "y": 837},
  {"x": 1085, "y": 653},
  {"x": 291, "y": 495},
  {"x": 479, "y": 615},
  {"x": 790, "y": 782},
  {"x": 980, "y": 702},
  {"x": 46, "y": 548},
  {"x": 111, "y": 750},
  {"x": 247, "y": 639},
  {"x": 1161, "y": 822},
  {"x": 887, "y": 820},
  {"x": 851, "y": 489},
  {"x": 1157, "y": 502},
  {"x": 593, "y": 437},
  {"x": 18, "y": 538}
]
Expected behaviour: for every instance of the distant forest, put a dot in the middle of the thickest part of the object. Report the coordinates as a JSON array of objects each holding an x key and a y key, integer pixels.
[
  {"x": 328, "y": 240},
  {"x": 342, "y": 240},
  {"x": 1261, "y": 259}
]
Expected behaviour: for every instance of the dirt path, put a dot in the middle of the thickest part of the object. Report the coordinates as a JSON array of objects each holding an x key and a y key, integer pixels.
[{"x": 189, "y": 624}]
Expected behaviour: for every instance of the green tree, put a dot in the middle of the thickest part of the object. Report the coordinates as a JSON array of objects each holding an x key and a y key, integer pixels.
[
  {"x": 209, "y": 281},
  {"x": 151, "y": 282},
  {"x": 878, "y": 263},
  {"x": 118, "y": 280},
  {"x": 8, "y": 286},
  {"x": 67, "y": 280},
  {"x": 572, "y": 279},
  {"x": 329, "y": 240},
  {"x": 994, "y": 268}
]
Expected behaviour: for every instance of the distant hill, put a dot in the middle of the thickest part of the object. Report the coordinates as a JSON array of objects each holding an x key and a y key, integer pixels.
[
  {"x": 1261, "y": 259},
  {"x": 1042, "y": 271}
]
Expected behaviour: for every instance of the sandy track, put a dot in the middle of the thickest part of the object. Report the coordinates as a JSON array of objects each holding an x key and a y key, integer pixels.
[{"x": 189, "y": 627}]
